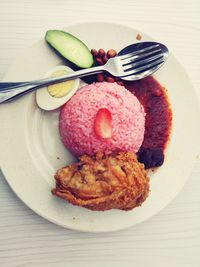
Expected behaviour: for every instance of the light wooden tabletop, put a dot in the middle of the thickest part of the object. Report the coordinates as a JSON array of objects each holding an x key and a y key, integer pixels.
[{"x": 172, "y": 237}]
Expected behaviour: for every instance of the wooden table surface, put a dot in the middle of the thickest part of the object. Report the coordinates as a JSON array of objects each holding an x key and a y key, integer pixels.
[{"x": 169, "y": 239}]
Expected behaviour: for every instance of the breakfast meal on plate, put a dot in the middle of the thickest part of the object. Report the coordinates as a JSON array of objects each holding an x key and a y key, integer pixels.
[
  {"x": 117, "y": 129},
  {"x": 103, "y": 182}
]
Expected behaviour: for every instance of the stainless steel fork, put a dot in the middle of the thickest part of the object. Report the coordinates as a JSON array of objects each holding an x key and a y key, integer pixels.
[{"x": 141, "y": 60}]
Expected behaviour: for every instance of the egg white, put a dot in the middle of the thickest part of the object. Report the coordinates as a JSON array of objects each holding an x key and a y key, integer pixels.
[{"x": 46, "y": 101}]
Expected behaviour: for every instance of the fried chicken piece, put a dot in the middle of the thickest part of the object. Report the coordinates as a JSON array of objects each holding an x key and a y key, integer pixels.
[{"x": 116, "y": 181}]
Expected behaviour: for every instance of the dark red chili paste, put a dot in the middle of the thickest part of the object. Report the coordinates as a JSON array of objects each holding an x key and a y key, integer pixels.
[{"x": 157, "y": 122}]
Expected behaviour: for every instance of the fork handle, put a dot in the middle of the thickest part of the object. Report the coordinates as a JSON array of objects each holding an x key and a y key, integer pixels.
[
  {"x": 8, "y": 95},
  {"x": 10, "y": 90}
]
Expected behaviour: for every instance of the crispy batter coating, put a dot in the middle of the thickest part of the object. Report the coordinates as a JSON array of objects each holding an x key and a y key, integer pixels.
[{"x": 116, "y": 181}]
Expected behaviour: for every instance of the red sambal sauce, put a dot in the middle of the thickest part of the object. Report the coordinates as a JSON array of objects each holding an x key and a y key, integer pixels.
[{"x": 158, "y": 119}]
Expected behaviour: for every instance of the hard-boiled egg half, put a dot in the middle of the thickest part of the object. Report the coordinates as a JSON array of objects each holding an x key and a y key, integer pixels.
[{"x": 53, "y": 96}]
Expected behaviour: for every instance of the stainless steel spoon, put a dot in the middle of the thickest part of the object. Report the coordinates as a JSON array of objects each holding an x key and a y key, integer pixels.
[{"x": 134, "y": 62}]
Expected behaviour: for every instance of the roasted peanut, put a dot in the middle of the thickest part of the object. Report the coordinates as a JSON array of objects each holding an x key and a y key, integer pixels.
[
  {"x": 138, "y": 37},
  {"x": 94, "y": 52},
  {"x": 111, "y": 53},
  {"x": 101, "y": 52},
  {"x": 100, "y": 77},
  {"x": 110, "y": 79},
  {"x": 105, "y": 59},
  {"x": 99, "y": 61}
]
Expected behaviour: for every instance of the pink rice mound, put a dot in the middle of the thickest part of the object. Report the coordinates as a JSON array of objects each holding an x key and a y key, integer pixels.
[{"x": 77, "y": 116}]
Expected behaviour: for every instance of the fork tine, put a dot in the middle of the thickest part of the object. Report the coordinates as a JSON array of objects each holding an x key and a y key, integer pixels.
[
  {"x": 144, "y": 67},
  {"x": 134, "y": 77},
  {"x": 133, "y": 64},
  {"x": 138, "y": 57},
  {"x": 138, "y": 52}
]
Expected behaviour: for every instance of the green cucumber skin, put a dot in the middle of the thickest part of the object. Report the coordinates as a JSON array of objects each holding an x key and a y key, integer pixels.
[{"x": 63, "y": 42}]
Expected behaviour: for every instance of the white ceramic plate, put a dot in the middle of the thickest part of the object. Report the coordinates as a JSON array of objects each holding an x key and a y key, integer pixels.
[{"x": 31, "y": 150}]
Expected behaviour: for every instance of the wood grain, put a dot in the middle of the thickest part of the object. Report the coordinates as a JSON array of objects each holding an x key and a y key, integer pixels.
[{"x": 171, "y": 238}]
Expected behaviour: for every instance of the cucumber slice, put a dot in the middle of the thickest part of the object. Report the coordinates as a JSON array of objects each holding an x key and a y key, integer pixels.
[{"x": 70, "y": 48}]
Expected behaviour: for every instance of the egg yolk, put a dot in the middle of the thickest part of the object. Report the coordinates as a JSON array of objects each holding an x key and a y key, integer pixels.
[{"x": 62, "y": 88}]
